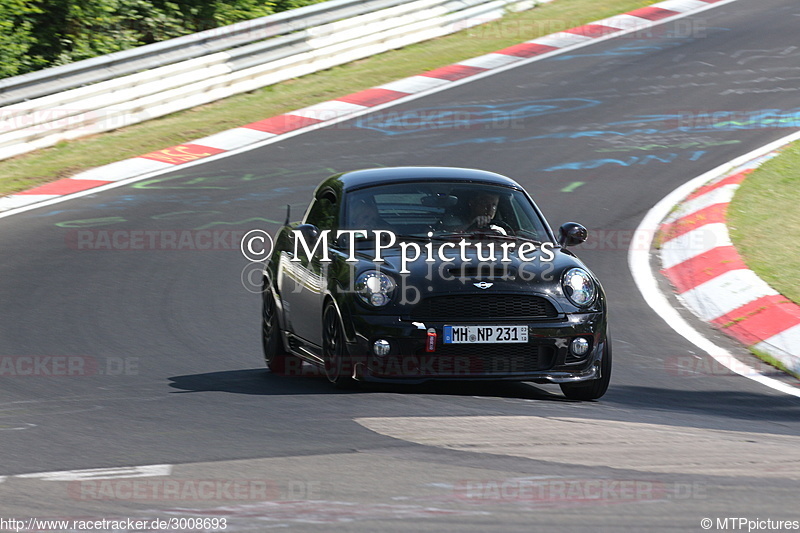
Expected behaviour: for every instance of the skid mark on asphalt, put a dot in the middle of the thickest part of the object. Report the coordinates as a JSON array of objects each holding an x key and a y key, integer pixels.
[{"x": 628, "y": 445}]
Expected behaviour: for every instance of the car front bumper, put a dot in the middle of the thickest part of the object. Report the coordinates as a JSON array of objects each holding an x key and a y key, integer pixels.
[{"x": 414, "y": 357}]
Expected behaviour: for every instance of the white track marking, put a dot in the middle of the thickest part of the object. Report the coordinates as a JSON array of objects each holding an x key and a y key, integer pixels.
[
  {"x": 102, "y": 473},
  {"x": 330, "y": 110},
  {"x": 490, "y": 61},
  {"x": 645, "y": 279},
  {"x": 233, "y": 138},
  {"x": 121, "y": 170},
  {"x": 693, "y": 243},
  {"x": 721, "y": 195},
  {"x": 731, "y": 290}
]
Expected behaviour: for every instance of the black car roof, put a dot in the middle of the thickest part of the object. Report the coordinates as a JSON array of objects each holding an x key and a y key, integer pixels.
[{"x": 358, "y": 179}]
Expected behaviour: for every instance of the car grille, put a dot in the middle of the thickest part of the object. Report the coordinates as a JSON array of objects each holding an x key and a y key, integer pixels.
[
  {"x": 483, "y": 307},
  {"x": 494, "y": 359}
]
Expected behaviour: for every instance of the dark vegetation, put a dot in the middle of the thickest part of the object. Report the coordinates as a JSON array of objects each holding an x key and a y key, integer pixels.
[{"x": 36, "y": 34}]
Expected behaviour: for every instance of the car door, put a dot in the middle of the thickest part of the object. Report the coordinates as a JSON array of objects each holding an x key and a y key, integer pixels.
[{"x": 303, "y": 282}]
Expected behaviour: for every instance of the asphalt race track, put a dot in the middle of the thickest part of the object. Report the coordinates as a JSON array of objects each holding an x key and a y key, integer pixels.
[{"x": 118, "y": 358}]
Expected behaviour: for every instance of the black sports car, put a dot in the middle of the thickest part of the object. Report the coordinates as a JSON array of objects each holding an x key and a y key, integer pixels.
[{"x": 414, "y": 273}]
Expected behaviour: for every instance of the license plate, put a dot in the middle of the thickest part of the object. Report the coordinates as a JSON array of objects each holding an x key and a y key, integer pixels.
[{"x": 485, "y": 334}]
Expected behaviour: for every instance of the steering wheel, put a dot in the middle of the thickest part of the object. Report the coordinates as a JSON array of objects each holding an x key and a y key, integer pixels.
[{"x": 496, "y": 226}]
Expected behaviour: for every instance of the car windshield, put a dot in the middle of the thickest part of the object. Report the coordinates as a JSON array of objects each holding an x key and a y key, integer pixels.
[{"x": 444, "y": 210}]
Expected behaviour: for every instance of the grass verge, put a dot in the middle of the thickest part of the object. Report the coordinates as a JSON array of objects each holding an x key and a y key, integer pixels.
[
  {"x": 770, "y": 360},
  {"x": 763, "y": 219},
  {"x": 69, "y": 158}
]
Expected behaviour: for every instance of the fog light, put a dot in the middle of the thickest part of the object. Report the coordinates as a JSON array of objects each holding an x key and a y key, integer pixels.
[
  {"x": 381, "y": 347},
  {"x": 579, "y": 346}
]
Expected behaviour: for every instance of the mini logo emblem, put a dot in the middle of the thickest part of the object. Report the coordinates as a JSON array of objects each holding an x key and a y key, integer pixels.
[{"x": 483, "y": 284}]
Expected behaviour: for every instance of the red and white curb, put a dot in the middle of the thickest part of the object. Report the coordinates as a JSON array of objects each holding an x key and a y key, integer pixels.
[
  {"x": 272, "y": 129},
  {"x": 644, "y": 276},
  {"x": 712, "y": 280}
]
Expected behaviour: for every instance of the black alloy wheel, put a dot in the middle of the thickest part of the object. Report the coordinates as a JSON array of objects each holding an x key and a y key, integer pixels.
[
  {"x": 334, "y": 350},
  {"x": 278, "y": 359}
]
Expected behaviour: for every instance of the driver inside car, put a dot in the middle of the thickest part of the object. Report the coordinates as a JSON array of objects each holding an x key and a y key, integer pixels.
[
  {"x": 481, "y": 214},
  {"x": 482, "y": 209}
]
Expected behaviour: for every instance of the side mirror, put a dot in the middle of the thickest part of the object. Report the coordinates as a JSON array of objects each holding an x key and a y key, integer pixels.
[
  {"x": 571, "y": 234},
  {"x": 309, "y": 232}
]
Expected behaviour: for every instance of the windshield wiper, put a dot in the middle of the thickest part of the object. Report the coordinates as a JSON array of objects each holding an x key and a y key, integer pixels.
[
  {"x": 484, "y": 235},
  {"x": 399, "y": 237}
]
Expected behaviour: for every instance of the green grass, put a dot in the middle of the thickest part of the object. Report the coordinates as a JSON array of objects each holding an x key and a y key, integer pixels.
[
  {"x": 767, "y": 358},
  {"x": 764, "y": 221},
  {"x": 69, "y": 158}
]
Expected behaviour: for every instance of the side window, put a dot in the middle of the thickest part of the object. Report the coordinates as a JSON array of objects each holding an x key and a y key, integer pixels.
[
  {"x": 526, "y": 219},
  {"x": 323, "y": 212}
]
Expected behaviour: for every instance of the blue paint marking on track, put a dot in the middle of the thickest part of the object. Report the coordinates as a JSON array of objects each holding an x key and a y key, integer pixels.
[
  {"x": 627, "y": 50},
  {"x": 644, "y": 42},
  {"x": 467, "y": 116},
  {"x": 626, "y": 162},
  {"x": 723, "y": 121}
]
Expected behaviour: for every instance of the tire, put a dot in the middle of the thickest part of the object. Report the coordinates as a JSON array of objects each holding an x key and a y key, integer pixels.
[
  {"x": 596, "y": 388},
  {"x": 276, "y": 356},
  {"x": 334, "y": 350}
]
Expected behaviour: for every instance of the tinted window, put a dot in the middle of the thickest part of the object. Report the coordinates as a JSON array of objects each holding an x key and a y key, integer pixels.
[
  {"x": 439, "y": 207},
  {"x": 323, "y": 212}
]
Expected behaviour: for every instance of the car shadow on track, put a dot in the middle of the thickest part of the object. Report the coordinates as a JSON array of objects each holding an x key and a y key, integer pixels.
[
  {"x": 733, "y": 404},
  {"x": 262, "y": 382}
]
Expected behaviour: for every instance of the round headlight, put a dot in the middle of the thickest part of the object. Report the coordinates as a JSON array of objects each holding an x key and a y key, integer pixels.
[
  {"x": 579, "y": 287},
  {"x": 375, "y": 288}
]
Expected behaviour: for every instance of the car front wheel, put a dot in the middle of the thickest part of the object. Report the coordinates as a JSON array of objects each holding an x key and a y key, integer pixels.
[
  {"x": 275, "y": 355},
  {"x": 596, "y": 388},
  {"x": 334, "y": 349}
]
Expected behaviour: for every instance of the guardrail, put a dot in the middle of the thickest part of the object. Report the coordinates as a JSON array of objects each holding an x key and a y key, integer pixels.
[{"x": 101, "y": 94}]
